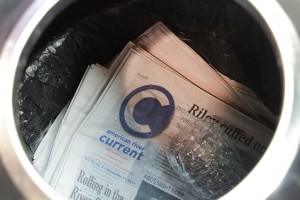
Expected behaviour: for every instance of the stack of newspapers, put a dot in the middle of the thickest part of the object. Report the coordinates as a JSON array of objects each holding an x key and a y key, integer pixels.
[{"x": 116, "y": 138}]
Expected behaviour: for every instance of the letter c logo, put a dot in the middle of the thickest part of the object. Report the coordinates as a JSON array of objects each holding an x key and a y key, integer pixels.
[{"x": 147, "y": 111}]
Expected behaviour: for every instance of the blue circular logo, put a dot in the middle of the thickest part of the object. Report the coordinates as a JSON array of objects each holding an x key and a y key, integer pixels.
[{"x": 147, "y": 111}]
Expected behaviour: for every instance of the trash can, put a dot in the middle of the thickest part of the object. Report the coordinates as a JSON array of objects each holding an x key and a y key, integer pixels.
[{"x": 255, "y": 43}]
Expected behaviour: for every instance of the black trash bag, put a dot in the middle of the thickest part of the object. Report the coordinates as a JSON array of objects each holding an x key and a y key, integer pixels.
[{"x": 220, "y": 31}]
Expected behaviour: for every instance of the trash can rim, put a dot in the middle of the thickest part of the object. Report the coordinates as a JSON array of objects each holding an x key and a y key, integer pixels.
[{"x": 286, "y": 40}]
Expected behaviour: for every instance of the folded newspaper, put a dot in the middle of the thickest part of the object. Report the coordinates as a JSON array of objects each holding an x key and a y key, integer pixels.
[{"x": 159, "y": 123}]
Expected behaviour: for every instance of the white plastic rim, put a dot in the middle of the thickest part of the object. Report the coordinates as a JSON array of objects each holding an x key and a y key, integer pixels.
[{"x": 262, "y": 180}]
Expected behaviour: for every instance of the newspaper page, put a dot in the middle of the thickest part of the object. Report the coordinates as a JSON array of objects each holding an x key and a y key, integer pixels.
[
  {"x": 166, "y": 46},
  {"x": 120, "y": 150},
  {"x": 93, "y": 76},
  {"x": 82, "y": 103},
  {"x": 250, "y": 96},
  {"x": 44, "y": 149},
  {"x": 92, "y": 80}
]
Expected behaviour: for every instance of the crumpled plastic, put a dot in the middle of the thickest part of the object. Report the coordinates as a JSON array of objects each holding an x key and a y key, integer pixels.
[
  {"x": 207, "y": 159},
  {"x": 220, "y": 31}
]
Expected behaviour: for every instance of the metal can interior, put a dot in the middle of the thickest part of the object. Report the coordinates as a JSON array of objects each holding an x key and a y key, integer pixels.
[{"x": 262, "y": 181}]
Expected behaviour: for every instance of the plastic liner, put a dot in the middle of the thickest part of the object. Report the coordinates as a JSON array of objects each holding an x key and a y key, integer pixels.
[
  {"x": 207, "y": 159},
  {"x": 220, "y": 31}
]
